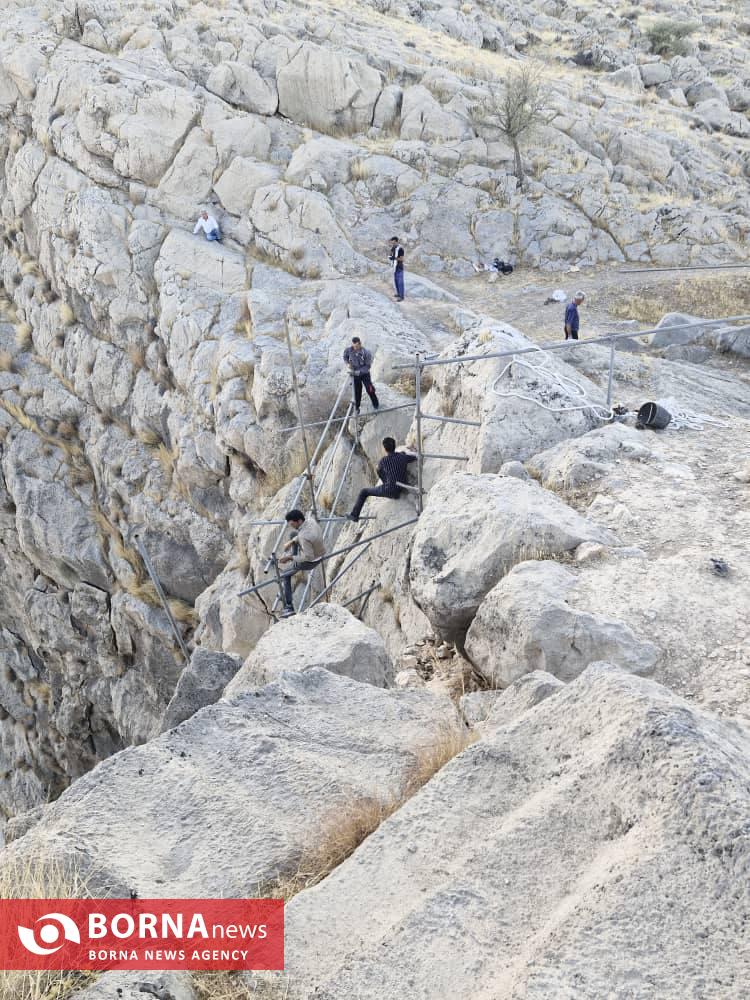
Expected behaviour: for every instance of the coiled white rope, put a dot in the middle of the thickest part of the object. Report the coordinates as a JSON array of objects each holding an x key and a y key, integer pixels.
[
  {"x": 556, "y": 382},
  {"x": 688, "y": 419}
]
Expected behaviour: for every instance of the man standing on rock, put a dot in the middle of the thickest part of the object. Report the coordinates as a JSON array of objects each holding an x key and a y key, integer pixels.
[
  {"x": 359, "y": 360},
  {"x": 209, "y": 225},
  {"x": 392, "y": 471},
  {"x": 308, "y": 548},
  {"x": 572, "y": 320},
  {"x": 396, "y": 257}
]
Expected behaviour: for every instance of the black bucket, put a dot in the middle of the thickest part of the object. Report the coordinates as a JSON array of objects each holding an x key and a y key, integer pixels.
[{"x": 653, "y": 415}]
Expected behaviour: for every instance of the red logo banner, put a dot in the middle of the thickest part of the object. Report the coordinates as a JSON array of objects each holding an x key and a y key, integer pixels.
[{"x": 209, "y": 935}]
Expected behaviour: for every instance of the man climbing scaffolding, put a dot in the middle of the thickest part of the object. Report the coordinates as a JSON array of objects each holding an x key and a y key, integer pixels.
[
  {"x": 307, "y": 549},
  {"x": 359, "y": 360},
  {"x": 392, "y": 471}
]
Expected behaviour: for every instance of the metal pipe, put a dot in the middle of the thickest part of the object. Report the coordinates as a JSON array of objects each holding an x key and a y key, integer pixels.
[
  {"x": 162, "y": 596},
  {"x": 338, "y": 420},
  {"x": 452, "y": 458},
  {"x": 301, "y": 486},
  {"x": 418, "y": 418},
  {"x": 295, "y": 384},
  {"x": 363, "y": 517},
  {"x": 451, "y": 420},
  {"x": 573, "y": 344},
  {"x": 327, "y": 528},
  {"x": 611, "y": 372},
  {"x": 407, "y": 487},
  {"x": 684, "y": 267},
  {"x": 338, "y": 576},
  {"x": 339, "y": 552},
  {"x": 365, "y": 593}
]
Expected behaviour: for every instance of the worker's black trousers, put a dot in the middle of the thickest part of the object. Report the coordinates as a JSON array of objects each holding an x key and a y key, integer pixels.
[
  {"x": 364, "y": 380},
  {"x": 372, "y": 491},
  {"x": 286, "y": 580}
]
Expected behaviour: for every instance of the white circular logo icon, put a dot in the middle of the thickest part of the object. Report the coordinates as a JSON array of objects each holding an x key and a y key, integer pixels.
[{"x": 56, "y": 929}]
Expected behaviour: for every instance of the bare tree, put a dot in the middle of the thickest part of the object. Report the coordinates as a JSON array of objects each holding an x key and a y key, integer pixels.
[{"x": 521, "y": 108}]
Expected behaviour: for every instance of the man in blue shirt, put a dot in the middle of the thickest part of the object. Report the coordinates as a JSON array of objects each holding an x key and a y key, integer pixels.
[{"x": 572, "y": 320}]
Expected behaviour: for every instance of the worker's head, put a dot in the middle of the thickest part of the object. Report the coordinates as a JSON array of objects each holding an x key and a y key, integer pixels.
[
  {"x": 578, "y": 298},
  {"x": 356, "y": 343},
  {"x": 393, "y": 240},
  {"x": 204, "y": 214},
  {"x": 294, "y": 518},
  {"x": 390, "y": 445}
]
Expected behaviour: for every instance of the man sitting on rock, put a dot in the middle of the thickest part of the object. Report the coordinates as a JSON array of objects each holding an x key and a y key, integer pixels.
[
  {"x": 209, "y": 225},
  {"x": 392, "y": 471},
  {"x": 307, "y": 547},
  {"x": 572, "y": 320},
  {"x": 359, "y": 360}
]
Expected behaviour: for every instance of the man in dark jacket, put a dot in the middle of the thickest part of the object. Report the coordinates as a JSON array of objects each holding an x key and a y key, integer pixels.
[
  {"x": 572, "y": 320},
  {"x": 359, "y": 360},
  {"x": 396, "y": 257},
  {"x": 392, "y": 471}
]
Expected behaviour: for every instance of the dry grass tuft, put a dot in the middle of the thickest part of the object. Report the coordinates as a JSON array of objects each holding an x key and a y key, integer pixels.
[
  {"x": 349, "y": 825},
  {"x": 23, "y": 336},
  {"x": 38, "y": 876},
  {"x": 137, "y": 356},
  {"x": 67, "y": 316},
  {"x": 6, "y": 361},
  {"x": 698, "y": 296},
  {"x": 230, "y": 986}
]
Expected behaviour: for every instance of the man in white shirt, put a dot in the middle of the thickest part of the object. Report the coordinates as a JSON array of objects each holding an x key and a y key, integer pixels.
[{"x": 209, "y": 225}]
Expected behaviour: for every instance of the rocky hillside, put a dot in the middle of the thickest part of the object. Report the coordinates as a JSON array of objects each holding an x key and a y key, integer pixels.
[{"x": 148, "y": 405}]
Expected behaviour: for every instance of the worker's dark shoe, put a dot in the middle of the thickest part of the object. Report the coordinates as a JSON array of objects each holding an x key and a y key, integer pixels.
[{"x": 288, "y": 612}]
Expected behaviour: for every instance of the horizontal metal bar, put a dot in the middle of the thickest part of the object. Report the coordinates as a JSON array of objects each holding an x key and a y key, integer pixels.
[
  {"x": 365, "y": 593},
  {"x": 452, "y": 458},
  {"x": 409, "y": 489},
  {"x": 451, "y": 420},
  {"x": 338, "y": 576},
  {"x": 338, "y": 420},
  {"x": 338, "y": 552},
  {"x": 685, "y": 267},
  {"x": 365, "y": 517},
  {"x": 573, "y": 344}
]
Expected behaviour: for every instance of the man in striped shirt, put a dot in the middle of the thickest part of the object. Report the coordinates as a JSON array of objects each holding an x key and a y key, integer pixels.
[{"x": 392, "y": 471}]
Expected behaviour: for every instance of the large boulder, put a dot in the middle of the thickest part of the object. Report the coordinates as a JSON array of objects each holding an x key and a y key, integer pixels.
[
  {"x": 526, "y": 623},
  {"x": 201, "y": 683},
  {"x": 573, "y": 463},
  {"x": 326, "y": 90},
  {"x": 523, "y": 405},
  {"x": 474, "y": 530},
  {"x": 233, "y": 798},
  {"x": 328, "y": 637},
  {"x": 243, "y": 87},
  {"x": 598, "y": 848}
]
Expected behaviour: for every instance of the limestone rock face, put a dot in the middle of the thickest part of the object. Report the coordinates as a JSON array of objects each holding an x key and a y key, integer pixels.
[
  {"x": 327, "y": 637},
  {"x": 250, "y": 781},
  {"x": 611, "y": 774},
  {"x": 474, "y": 530},
  {"x": 201, "y": 683},
  {"x": 526, "y": 623},
  {"x": 573, "y": 463},
  {"x": 323, "y": 89}
]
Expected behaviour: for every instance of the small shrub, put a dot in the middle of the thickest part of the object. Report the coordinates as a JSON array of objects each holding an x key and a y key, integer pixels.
[
  {"x": 23, "y": 336},
  {"x": 669, "y": 38},
  {"x": 40, "y": 876},
  {"x": 6, "y": 361},
  {"x": 137, "y": 356},
  {"x": 67, "y": 316}
]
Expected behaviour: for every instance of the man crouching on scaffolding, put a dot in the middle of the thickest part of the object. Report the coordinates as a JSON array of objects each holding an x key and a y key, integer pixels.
[
  {"x": 308, "y": 548},
  {"x": 392, "y": 473}
]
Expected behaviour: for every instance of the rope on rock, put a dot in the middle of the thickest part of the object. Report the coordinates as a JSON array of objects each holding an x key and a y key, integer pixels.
[{"x": 563, "y": 385}]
